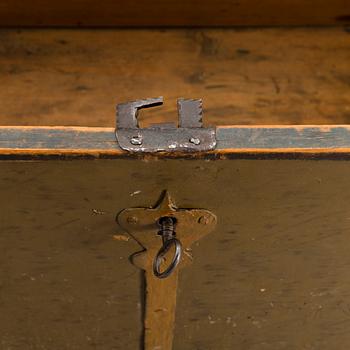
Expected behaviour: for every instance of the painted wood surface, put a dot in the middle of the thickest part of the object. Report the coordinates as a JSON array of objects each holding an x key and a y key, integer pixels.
[
  {"x": 173, "y": 13},
  {"x": 273, "y": 275},
  {"x": 257, "y": 76},
  {"x": 31, "y": 142}
]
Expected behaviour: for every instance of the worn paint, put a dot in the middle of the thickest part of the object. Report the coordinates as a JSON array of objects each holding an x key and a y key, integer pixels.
[
  {"x": 283, "y": 226},
  {"x": 99, "y": 142}
]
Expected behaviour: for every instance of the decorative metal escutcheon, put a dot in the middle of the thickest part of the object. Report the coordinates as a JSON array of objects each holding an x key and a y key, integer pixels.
[
  {"x": 165, "y": 234},
  {"x": 189, "y": 136},
  {"x": 154, "y": 227}
]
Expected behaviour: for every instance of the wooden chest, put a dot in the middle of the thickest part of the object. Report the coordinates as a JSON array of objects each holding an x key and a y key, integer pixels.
[{"x": 270, "y": 197}]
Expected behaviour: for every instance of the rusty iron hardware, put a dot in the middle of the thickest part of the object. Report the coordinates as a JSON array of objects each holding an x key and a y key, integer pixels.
[
  {"x": 167, "y": 231},
  {"x": 189, "y": 136},
  {"x": 152, "y": 227}
]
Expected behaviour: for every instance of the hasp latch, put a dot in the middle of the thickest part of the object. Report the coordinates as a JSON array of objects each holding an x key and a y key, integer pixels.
[{"x": 189, "y": 136}]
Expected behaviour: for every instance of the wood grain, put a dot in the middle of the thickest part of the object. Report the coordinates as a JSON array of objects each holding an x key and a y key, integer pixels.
[
  {"x": 173, "y": 13},
  {"x": 261, "y": 76}
]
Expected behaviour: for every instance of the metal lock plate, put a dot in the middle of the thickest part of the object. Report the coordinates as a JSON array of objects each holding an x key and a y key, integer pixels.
[
  {"x": 189, "y": 136},
  {"x": 142, "y": 224}
]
